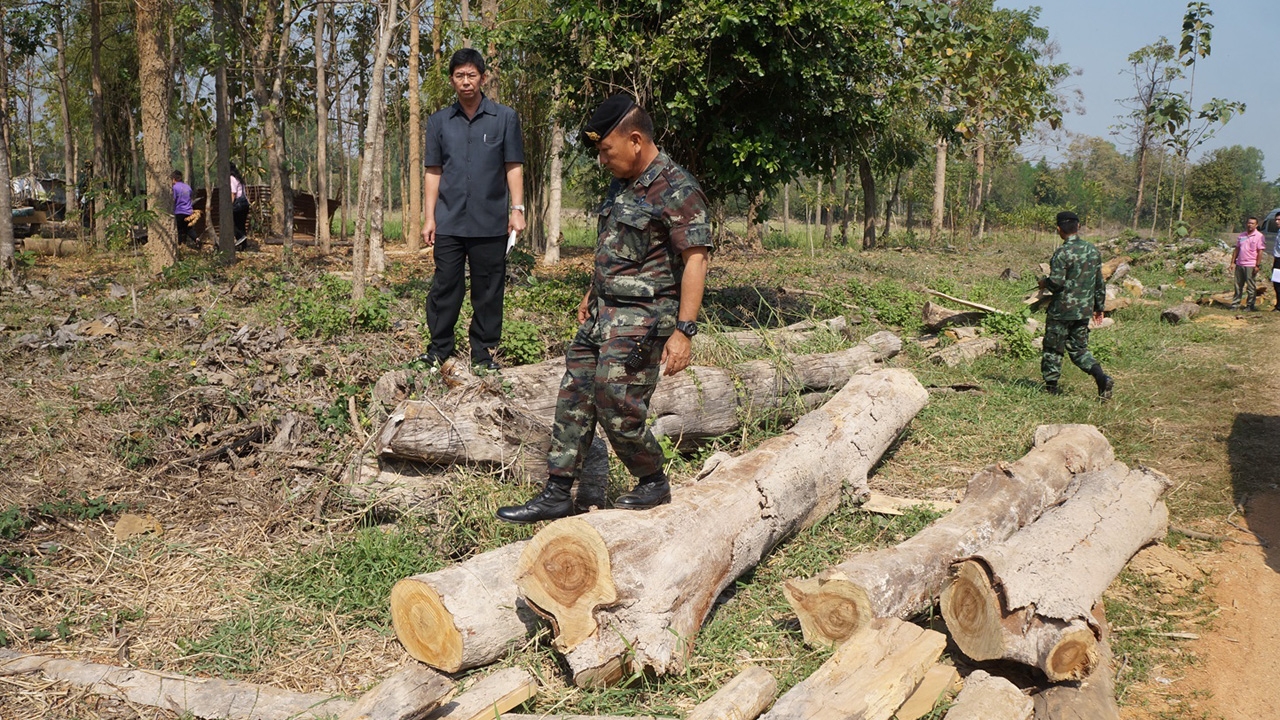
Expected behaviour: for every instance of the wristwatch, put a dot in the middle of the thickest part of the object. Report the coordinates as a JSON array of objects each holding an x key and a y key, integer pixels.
[
  {"x": 688, "y": 327},
  {"x": 518, "y": 207}
]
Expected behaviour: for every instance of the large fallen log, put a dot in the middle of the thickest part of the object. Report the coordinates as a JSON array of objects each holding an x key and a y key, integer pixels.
[
  {"x": 1030, "y": 598},
  {"x": 1093, "y": 698},
  {"x": 867, "y": 678},
  {"x": 465, "y": 615},
  {"x": 201, "y": 697},
  {"x": 629, "y": 590},
  {"x": 989, "y": 697},
  {"x": 508, "y": 423},
  {"x": 904, "y": 580}
]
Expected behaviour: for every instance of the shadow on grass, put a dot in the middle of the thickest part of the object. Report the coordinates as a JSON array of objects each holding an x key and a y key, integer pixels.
[{"x": 1253, "y": 450}]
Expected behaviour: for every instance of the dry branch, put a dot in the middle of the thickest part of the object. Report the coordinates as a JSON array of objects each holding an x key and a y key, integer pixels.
[
  {"x": 625, "y": 589},
  {"x": 867, "y": 678},
  {"x": 1030, "y": 598},
  {"x": 903, "y": 580},
  {"x": 744, "y": 697},
  {"x": 201, "y": 697}
]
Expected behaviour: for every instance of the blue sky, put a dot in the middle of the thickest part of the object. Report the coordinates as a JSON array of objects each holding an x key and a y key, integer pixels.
[{"x": 1096, "y": 36}]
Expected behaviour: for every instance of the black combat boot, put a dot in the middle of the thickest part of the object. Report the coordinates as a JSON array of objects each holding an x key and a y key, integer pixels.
[
  {"x": 1104, "y": 381},
  {"x": 550, "y": 504},
  {"x": 1051, "y": 388},
  {"x": 652, "y": 491},
  {"x": 589, "y": 495}
]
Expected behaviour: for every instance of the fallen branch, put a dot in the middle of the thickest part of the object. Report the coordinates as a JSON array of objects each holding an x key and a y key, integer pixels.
[{"x": 966, "y": 303}]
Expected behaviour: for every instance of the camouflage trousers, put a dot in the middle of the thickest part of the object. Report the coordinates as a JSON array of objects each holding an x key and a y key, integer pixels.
[
  {"x": 597, "y": 387},
  {"x": 1071, "y": 337}
]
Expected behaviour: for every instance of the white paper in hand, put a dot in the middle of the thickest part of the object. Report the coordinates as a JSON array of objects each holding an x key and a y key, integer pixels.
[
  {"x": 511, "y": 241},
  {"x": 1275, "y": 275}
]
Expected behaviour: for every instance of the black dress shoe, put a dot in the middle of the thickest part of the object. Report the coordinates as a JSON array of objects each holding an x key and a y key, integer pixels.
[
  {"x": 646, "y": 495},
  {"x": 430, "y": 360},
  {"x": 552, "y": 503},
  {"x": 491, "y": 365}
]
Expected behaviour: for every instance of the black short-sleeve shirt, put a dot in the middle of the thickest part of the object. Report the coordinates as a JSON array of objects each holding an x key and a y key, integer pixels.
[{"x": 472, "y": 155}]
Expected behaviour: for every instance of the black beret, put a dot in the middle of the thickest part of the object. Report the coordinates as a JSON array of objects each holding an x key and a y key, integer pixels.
[
  {"x": 1067, "y": 215},
  {"x": 606, "y": 118}
]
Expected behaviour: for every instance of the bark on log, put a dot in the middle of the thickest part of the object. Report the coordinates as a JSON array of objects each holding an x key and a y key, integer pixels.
[
  {"x": 491, "y": 697},
  {"x": 1180, "y": 312},
  {"x": 989, "y": 697},
  {"x": 742, "y": 698},
  {"x": 465, "y": 615},
  {"x": 487, "y": 424},
  {"x": 965, "y": 352},
  {"x": 201, "y": 697},
  {"x": 622, "y": 584},
  {"x": 54, "y": 246},
  {"x": 1092, "y": 699},
  {"x": 867, "y": 678},
  {"x": 937, "y": 317},
  {"x": 1030, "y": 598},
  {"x": 903, "y": 580},
  {"x": 409, "y": 694}
]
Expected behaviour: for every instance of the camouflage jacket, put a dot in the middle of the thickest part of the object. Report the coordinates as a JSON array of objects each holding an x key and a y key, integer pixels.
[
  {"x": 1075, "y": 279},
  {"x": 643, "y": 227}
]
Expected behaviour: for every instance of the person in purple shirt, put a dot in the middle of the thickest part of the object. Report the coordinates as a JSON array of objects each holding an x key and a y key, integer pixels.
[
  {"x": 1244, "y": 264},
  {"x": 182, "y": 209}
]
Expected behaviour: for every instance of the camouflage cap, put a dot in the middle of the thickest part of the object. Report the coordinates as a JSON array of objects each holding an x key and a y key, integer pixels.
[{"x": 606, "y": 118}]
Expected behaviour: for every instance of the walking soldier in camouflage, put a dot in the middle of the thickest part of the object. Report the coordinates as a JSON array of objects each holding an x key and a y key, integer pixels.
[
  {"x": 638, "y": 315},
  {"x": 1075, "y": 279}
]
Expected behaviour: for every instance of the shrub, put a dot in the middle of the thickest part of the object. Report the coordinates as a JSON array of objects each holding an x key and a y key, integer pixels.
[{"x": 521, "y": 343}]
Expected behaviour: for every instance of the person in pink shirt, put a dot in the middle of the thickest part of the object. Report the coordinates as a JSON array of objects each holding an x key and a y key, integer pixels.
[{"x": 1244, "y": 262}]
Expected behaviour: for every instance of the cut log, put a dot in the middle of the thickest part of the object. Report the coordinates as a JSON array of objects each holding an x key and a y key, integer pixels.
[
  {"x": 937, "y": 683},
  {"x": 867, "y": 678},
  {"x": 1094, "y": 698},
  {"x": 965, "y": 352},
  {"x": 201, "y": 697},
  {"x": 1180, "y": 312},
  {"x": 491, "y": 697},
  {"x": 508, "y": 423},
  {"x": 56, "y": 247},
  {"x": 465, "y": 615},
  {"x": 904, "y": 580},
  {"x": 410, "y": 694},
  {"x": 742, "y": 698},
  {"x": 783, "y": 337},
  {"x": 937, "y": 317},
  {"x": 1111, "y": 269},
  {"x": 628, "y": 592},
  {"x": 989, "y": 697},
  {"x": 1030, "y": 598}
]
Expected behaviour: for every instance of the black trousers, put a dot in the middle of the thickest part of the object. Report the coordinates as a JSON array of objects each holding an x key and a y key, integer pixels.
[
  {"x": 185, "y": 231},
  {"x": 240, "y": 217},
  {"x": 487, "y": 260}
]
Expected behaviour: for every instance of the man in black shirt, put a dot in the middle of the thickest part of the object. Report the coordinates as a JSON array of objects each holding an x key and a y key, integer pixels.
[{"x": 473, "y": 198}]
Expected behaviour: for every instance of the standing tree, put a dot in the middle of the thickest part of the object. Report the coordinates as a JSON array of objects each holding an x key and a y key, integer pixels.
[
  {"x": 1153, "y": 71},
  {"x": 154, "y": 73},
  {"x": 413, "y": 213},
  {"x": 8, "y": 268},
  {"x": 268, "y": 55},
  {"x": 322, "y": 133}
]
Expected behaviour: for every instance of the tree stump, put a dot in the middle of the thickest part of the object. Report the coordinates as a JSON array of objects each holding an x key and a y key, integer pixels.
[
  {"x": 629, "y": 590},
  {"x": 904, "y": 580},
  {"x": 1180, "y": 312},
  {"x": 1030, "y": 598}
]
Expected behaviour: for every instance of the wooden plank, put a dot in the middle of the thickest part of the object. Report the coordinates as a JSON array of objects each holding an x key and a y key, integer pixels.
[
  {"x": 491, "y": 697},
  {"x": 742, "y": 698},
  {"x": 888, "y": 505}
]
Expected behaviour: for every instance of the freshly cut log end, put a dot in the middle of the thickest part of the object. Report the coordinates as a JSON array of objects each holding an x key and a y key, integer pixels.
[
  {"x": 425, "y": 626},
  {"x": 566, "y": 574},
  {"x": 1074, "y": 657},
  {"x": 831, "y": 610},
  {"x": 972, "y": 609}
]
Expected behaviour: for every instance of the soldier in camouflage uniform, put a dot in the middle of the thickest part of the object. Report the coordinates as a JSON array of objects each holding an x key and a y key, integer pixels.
[
  {"x": 638, "y": 314},
  {"x": 1075, "y": 279}
]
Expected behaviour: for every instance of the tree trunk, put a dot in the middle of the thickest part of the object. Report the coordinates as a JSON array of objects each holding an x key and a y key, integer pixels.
[
  {"x": 226, "y": 221},
  {"x": 377, "y": 204},
  {"x": 1051, "y": 573},
  {"x": 980, "y": 172},
  {"x": 513, "y": 429},
  {"x": 988, "y": 696},
  {"x": 786, "y": 211},
  {"x": 413, "y": 214},
  {"x": 903, "y": 580},
  {"x": 489, "y": 21},
  {"x": 1155, "y": 204},
  {"x": 1094, "y": 698},
  {"x": 867, "y": 678},
  {"x": 645, "y": 616},
  {"x": 1142, "y": 179},
  {"x": 744, "y": 697},
  {"x": 555, "y": 194},
  {"x": 753, "y": 226},
  {"x": 8, "y": 267},
  {"x": 939, "y": 192},
  {"x": 323, "y": 229},
  {"x": 268, "y": 92},
  {"x": 153, "y": 89},
  {"x": 845, "y": 214},
  {"x": 64, "y": 97},
  {"x": 369, "y": 186},
  {"x": 890, "y": 204},
  {"x": 345, "y": 176},
  {"x": 868, "y": 182},
  {"x": 828, "y": 233}
]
